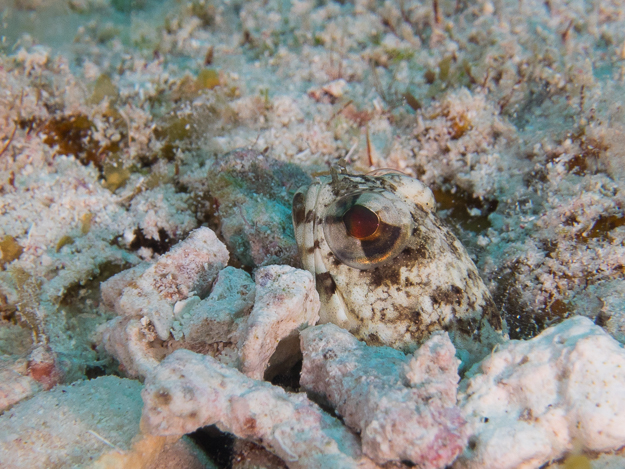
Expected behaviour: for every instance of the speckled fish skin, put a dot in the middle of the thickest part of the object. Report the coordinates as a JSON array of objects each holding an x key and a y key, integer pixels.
[{"x": 428, "y": 284}]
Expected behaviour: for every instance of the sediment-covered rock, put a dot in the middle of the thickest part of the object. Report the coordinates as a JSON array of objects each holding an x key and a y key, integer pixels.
[
  {"x": 133, "y": 342},
  {"x": 111, "y": 290},
  {"x": 217, "y": 317},
  {"x": 71, "y": 426},
  {"x": 22, "y": 376},
  {"x": 15, "y": 384},
  {"x": 253, "y": 192}
]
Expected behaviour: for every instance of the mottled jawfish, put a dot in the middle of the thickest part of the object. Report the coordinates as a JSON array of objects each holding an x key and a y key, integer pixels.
[{"x": 386, "y": 268}]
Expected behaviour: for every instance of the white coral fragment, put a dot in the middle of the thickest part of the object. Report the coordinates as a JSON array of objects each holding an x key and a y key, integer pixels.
[
  {"x": 188, "y": 391},
  {"x": 286, "y": 301},
  {"x": 334, "y": 89},
  {"x": 403, "y": 408},
  {"x": 533, "y": 401},
  {"x": 111, "y": 289},
  {"x": 187, "y": 269},
  {"x": 130, "y": 341},
  {"x": 207, "y": 326}
]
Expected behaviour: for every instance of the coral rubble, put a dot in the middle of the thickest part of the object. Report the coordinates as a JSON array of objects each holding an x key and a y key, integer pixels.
[
  {"x": 186, "y": 270},
  {"x": 149, "y": 152},
  {"x": 217, "y": 318},
  {"x": 187, "y": 391},
  {"x": 286, "y": 301},
  {"x": 533, "y": 401},
  {"x": 404, "y": 408}
]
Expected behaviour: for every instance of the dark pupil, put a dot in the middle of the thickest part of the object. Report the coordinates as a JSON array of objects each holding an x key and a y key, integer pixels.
[{"x": 360, "y": 222}]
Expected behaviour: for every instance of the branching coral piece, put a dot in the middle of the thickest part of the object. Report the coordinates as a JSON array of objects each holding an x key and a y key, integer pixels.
[
  {"x": 403, "y": 408},
  {"x": 187, "y": 269},
  {"x": 216, "y": 318},
  {"x": 286, "y": 300},
  {"x": 188, "y": 391},
  {"x": 131, "y": 342}
]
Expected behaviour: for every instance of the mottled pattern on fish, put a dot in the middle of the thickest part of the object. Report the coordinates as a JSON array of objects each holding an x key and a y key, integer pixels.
[{"x": 387, "y": 269}]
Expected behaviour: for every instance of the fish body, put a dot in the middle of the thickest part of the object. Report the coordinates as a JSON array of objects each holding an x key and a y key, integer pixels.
[{"x": 386, "y": 268}]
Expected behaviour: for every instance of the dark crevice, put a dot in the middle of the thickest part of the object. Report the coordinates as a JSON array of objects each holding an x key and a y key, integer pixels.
[
  {"x": 289, "y": 380},
  {"x": 159, "y": 246},
  {"x": 216, "y": 444}
]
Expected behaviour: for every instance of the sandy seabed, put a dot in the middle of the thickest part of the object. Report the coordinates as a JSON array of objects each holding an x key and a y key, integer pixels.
[{"x": 114, "y": 119}]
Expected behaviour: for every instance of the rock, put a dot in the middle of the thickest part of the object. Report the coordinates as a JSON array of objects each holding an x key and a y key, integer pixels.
[
  {"x": 253, "y": 194},
  {"x": 72, "y": 426},
  {"x": 218, "y": 316},
  {"x": 534, "y": 401},
  {"x": 208, "y": 326},
  {"x": 404, "y": 408},
  {"x": 44, "y": 368},
  {"x": 133, "y": 342},
  {"x": 330, "y": 92},
  {"x": 15, "y": 385},
  {"x": 111, "y": 289},
  {"x": 24, "y": 376}
]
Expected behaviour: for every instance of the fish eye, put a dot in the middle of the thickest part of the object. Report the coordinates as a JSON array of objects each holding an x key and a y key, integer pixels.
[
  {"x": 360, "y": 222},
  {"x": 367, "y": 229}
]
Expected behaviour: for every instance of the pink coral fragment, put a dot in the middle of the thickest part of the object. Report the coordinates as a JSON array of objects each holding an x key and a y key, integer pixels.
[
  {"x": 403, "y": 408},
  {"x": 286, "y": 300},
  {"x": 188, "y": 391}
]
